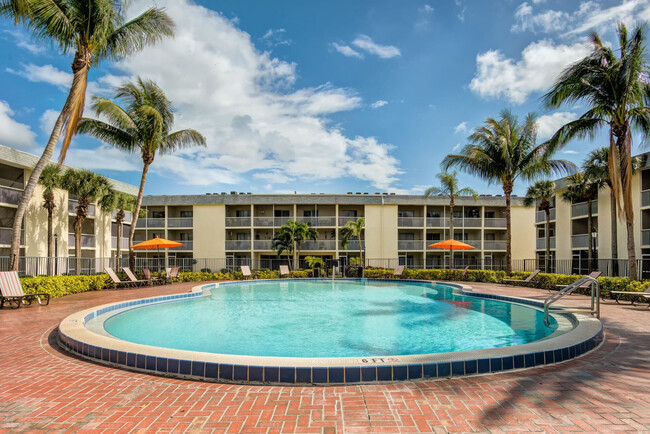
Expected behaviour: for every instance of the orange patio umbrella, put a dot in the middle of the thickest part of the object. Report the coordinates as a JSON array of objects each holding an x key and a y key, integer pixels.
[
  {"x": 156, "y": 243},
  {"x": 451, "y": 245}
]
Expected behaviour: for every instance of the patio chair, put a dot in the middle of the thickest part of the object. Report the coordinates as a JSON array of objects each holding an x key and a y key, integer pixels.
[
  {"x": 587, "y": 284},
  {"x": 132, "y": 277},
  {"x": 528, "y": 279},
  {"x": 634, "y": 295},
  {"x": 464, "y": 272},
  {"x": 11, "y": 292},
  {"x": 150, "y": 277},
  {"x": 116, "y": 280},
  {"x": 246, "y": 271},
  {"x": 284, "y": 271},
  {"x": 171, "y": 274},
  {"x": 399, "y": 270}
]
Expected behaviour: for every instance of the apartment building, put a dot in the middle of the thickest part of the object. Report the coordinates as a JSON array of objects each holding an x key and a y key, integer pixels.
[
  {"x": 98, "y": 232},
  {"x": 398, "y": 228}
]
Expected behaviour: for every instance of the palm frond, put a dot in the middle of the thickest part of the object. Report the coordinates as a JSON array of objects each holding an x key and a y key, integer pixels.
[
  {"x": 107, "y": 133},
  {"x": 181, "y": 139}
]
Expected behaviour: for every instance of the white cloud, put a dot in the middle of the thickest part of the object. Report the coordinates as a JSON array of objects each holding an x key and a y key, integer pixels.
[
  {"x": 275, "y": 37},
  {"x": 592, "y": 17},
  {"x": 547, "y": 125},
  {"x": 45, "y": 74},
  {"x": 103, "y": 158},
  {"x": 243, "y": 101},
  {"x": 461, "y": 128},
  {"x": 570, "y": 152},
  {"x": 24, "y": 41},
  {"x": 541, "y": 62},
  {"x": 275, "y": 176},
  {"x": 47, "y": 121},
  {"x": 347, "y": 51},
  {"x": 456, "y": 148},
  {"x": 546, "y": 22},
  {"x": 423, "y": 22},
  {"x": 379, "y": 103},
  {"x": 13, "y": 133},
  {"x": 364, "y": 42},
  {"x": 463, "y": 8}
]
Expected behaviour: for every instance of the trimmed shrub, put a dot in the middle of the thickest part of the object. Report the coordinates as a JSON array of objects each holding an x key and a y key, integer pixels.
[{"x": 58, "y": 286}]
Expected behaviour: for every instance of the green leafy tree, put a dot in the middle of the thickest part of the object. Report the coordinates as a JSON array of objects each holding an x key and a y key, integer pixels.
[
  {"x": 616, "y": 91},
  {"x": 50, "y": 180},
  {"x": 94, "y": 30},
  {"x": 504, "y": 150},
  {"x": 313, "y": 261},
  {"x": 294, "y": 234},
  {"x": 353, "y": 230},
  {"x": 144, "y": 126},
  {"x": 87, "y": 187},
  {"x": 543, "y": 193},
  {"x": 449, "y": 187},
  {"x": 121, "y": 203},
  {"x": 581, "y": 188},
  {"x": 283, "y": 242}
]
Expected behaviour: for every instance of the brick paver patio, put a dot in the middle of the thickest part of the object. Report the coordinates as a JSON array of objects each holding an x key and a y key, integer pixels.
[{"x": 44, "y": 389}]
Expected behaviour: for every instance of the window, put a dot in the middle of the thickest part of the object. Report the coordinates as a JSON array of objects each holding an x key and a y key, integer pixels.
[
  {"x": 243, "y": 236},
  {"x": 186, "y": 214},
  {"x": 473, "y": 213},
  {"x": 310, "y": 213},
  {"x": 243, "y": 213},
  {"x": 458, "y": 214},
  {"x": 434, "y": 214},
  {"x": 348, "y": 213},
  {"x": 490, "y": 237},
  {"x": 490, "y": 214},
  {"x": 408, "y": 236},
  {"x": 405, "y": 213},
  {"x": 158, "y": 214},
  {"x": 433, "y": 237},
  {"x": 186, "y": 237},
  {"x": 282, "y": 213}
]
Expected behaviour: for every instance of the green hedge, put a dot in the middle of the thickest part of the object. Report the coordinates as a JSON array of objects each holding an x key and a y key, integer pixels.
[{"x": 58, "y": 286}]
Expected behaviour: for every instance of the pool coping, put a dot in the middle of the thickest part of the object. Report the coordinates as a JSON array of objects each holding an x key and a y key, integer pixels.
[{"x": 73, "y": 336}]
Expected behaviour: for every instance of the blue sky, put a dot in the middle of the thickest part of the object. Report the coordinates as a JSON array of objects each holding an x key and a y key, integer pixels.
[{"x": 320, "y": 96}]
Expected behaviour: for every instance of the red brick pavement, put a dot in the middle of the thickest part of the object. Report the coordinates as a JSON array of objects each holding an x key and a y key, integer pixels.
[{"x": 43, "y": 389}]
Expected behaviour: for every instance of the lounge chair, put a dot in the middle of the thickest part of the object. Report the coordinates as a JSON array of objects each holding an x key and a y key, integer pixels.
[
  {"x": 246, "y": 271},
  {"x": 635, "y": 295},
  {"x": 116, "y": 280},
  {"x": 171, "y": 274},
  {"x": 586, "y": 284},
  {"x": 11, "y": 292},
  {"x": 399, "y": 270},
  {"x": 284, "y": 271},
  {"x": 464, "y": 272},
  {"x": 132, "y": 277},
  {"x": 528, "y": 279},
  {"x": 150, "y": 277}
]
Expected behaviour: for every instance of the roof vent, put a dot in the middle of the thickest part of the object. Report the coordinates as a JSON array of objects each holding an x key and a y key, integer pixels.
[
  {"x": 384, "y": 193},
  {"x": 358, "y": 192},
  {"x": 365, "y": 192},
  {"x": 208, "y": 194},
  {"x": 349, "y": 192},
  {"x": 392, "y": 194},
  {"x": 249, "y": 193},
  {"x": 223, "y": 192},
  {"x": 233, "y": 192}
]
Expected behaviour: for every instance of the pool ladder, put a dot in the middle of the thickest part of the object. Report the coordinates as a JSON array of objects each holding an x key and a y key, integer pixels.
[{"x": 595, "y": 298}]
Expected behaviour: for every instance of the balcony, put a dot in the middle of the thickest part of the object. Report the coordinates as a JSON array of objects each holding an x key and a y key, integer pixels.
[
  {"x": 467, "y": 222},
  {"x": 5, "y": 236},
  {"x": 645, "y": 237},
  {"x": 580, "y": 209},
  {"x": 540, "y": 243},
  {"x": 474, "y": 243},
  {"x": 10, "y": 196},
  {"x": 318, "y": 221},
  {"x": 410, "y": 222},
  {"x": 344, "y": 220},
  {"x": 320, "y": 245},
  {"x": 645, "y": 198},
  {"x": 128, "y": 216},
  {"x": 582, "y": 241},
  {"x": 87, "y": 241},
  {"x": 183, "y": 222},
  {"x": 540, "y": 216},
  {"x": 494, "y": 222},
  {"x": 352, "y": 245},
  {"x": 123, "y": 246},
  {"x": 187, "y": 245},
  {"x": 263, "y": 222},
  {"x": 72, "y": 208},
  {"x": 238, "y": 244},
  {"x": 437, "y": 222},
  {"x": 494, "y": 245},
  {"x": 410, "y": 244},
  {"x": 238, "y": 222},
  {"x": 150, "y": 223},
  {"x": 263, "y": 245}
]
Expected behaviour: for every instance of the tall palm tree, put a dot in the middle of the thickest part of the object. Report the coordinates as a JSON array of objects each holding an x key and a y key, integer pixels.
[
  {"x": 353, "y": 230},
  {"x": 596, "y": 166},
  {"x": 143, "y": 125},
  {"x": 449, "y": 187},
  {"x": 283, "y": 242},
  {"x": 121, "y": 203},
  {"x": 50, "y": 180},
  {"x": 95, "y": 30},
  {"x": 503, "y": 150},
  {"x": 87, "y": 187},
  {"x": 543, "y": 193},
  {"x": 617, "y": 91},
  {"x": 293, "y": 234},
  {"x": 581, "y": 188}
]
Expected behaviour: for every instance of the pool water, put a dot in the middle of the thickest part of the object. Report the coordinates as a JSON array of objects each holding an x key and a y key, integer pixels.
[{"x": 323, "y": 318}]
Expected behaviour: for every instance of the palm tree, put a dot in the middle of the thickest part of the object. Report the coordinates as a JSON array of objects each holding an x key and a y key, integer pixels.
[
  {"x": 616, "y": 91},
  {"x": 87, "y": 187},
  {"x": 283, "y": 242},
  {"x": 503, "y": 150},
  {"x": 294, "y": 234},
  {"x": 581, "y": 188},
  {"x": 449, "y": 187},
  {"x": 122, "y": 203},
  {"x": 353, "y": 230},
  {"x": 313, "y": 261},
  {"x": 50, "y": 180},
  {"x": 95, "y": 30},
  {"x": 143, "y": 125},
  {"x": 596, "y": 166},
  {"x": 543, "y": 193}
]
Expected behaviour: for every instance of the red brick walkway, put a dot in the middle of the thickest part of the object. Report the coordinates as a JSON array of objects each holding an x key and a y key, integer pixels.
[{"x": 42, "y": 389}]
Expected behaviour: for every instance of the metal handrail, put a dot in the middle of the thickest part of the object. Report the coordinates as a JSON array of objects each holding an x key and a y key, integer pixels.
[{"x": 595, "y": 296}]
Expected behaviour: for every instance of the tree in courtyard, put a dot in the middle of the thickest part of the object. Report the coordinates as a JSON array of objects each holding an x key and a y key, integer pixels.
[
  {"x": 542, "y": 193},
  {"x": 95, "y": 30},
  {"x": 50, "y": 180},
  {"x": 294, "y": 233},
  {"x": 616, "y": 91},
  {"x": 353, "y": 230},
  {"x": 121, "y": 203}
]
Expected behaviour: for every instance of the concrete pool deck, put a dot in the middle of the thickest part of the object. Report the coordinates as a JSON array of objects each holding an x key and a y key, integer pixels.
[{"x": 43, "y": 388}]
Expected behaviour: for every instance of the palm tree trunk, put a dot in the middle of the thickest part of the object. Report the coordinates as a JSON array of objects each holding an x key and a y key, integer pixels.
[
  {"x": 296, "y": 255},
  {"x": 77, "y": 245},
  {"x": 136, "y": 212},
  {"x": 614, "y": 218},
  {"x": 589, "y": 237},
  {"x": 547, "y": 211},
  {"x": 507, "y": 190},
  {"x": 49, "y": 241},
  {"x": 451, "y": 230},
  {"x": 633, "y": 271},
  {"x": 119, "y": 241}
]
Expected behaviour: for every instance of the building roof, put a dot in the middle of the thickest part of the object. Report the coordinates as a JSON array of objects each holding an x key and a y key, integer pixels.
[{"x": 17, "y": 158}]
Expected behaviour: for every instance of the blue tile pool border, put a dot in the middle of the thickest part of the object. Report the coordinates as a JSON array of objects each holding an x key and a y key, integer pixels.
[{"x": 318, "y": 374}]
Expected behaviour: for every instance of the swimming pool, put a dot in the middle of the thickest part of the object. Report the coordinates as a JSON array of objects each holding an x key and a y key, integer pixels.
[{"x": 326, "y": 332}]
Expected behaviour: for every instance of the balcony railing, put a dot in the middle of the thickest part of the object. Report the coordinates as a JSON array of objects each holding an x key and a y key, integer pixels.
[
  {"x": 344, "y": 220},
  {"x": 10, "y": 196},
  {"x": 151, "y": 223},
  {"x": 263, "y": 221},
  {"x": 128, "y": 216},
  {"x": 352, "y": 245},
  {"x": 87, "y": 241},
  {"x": 467, "y": 222},
  {"x": 318, "y": 221},
  {"x": 410, "y": 222},
  {"x": 319, "y": 245},
  {"x": 410, "y": 244},
  {"x": 437, "y": 222},
  {"x": 494, "y": 222},
  {"x": 123, "y": 246},
  {"x": 494, "y": 245},
  {"x": 645, "y": 198},
  {"x": 183, "y": 222},
  {"x": 187, "y": 245},
  {"x": 269, "y": 221},
  {"x": 263, "y": 244},
  {"x": 540, "y": 216},
  {"x": 582, "y": 241},
  {"x": 72, "y": 208},
  {"x": 645, "y": 237},
  {"x": 580, "y": 209},
  {"x": 238, "y": 221},
  {"x": 474, "y": 243},
  {"x": 540, "y": 243},
  {"x": 238, "y": 244},
  {"x": 5, "y": 236}
]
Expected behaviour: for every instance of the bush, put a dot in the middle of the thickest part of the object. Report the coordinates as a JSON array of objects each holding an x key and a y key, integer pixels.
[{"x": 58, "y": 286}]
